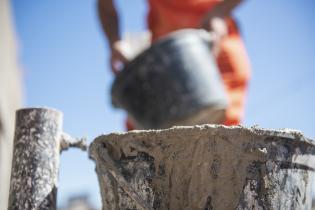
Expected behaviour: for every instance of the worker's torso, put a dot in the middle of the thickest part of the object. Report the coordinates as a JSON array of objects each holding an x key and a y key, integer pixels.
[{"x": 169, "y": 15}]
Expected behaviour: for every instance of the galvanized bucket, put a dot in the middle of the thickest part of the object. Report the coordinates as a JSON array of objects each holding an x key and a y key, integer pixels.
[
  {"x": 205, "y": 167},
  {"x": 174, "y": 82}
]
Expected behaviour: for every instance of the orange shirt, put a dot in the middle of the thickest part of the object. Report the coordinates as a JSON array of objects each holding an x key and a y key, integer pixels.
[{"x": 169, "y": 15}]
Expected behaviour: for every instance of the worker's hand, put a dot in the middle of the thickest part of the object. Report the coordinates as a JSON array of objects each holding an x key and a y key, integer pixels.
[
  {"x": 216, "y": 25},
  {"x": 218, "y": 28},
  {"x": 117, "y": 59}
]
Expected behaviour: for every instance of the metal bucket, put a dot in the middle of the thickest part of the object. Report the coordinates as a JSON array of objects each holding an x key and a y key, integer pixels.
[
  {"x": 205, "y": 167},
  {"x": 174, "y": 82}
]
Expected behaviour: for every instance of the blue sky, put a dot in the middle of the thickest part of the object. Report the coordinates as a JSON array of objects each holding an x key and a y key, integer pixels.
[{"x": 63, "y": 56}]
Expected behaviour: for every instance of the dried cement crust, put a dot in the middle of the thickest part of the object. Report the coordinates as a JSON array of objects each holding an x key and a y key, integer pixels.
[
  {"x": 208, "y": 167},
  {"x": 35, "y": 159}
]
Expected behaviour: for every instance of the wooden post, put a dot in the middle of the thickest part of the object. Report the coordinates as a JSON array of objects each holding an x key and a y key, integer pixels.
[{"x": 37, "y": 146}]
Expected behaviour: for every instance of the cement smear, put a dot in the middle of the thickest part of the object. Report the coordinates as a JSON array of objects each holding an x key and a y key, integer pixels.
[{"x": 207, "y": 167}]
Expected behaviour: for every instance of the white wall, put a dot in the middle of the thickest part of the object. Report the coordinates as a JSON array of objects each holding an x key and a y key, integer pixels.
[{"x": 10, "y": 96}]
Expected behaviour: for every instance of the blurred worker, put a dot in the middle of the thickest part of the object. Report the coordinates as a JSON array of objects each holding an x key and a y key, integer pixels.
[{"x": 166, "y": 16}]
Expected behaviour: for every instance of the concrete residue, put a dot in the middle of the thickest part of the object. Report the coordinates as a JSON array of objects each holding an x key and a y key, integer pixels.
[
  {"x": 67, "y": 141},
  {"x": 35, "y": 162},
  {"x": 207, "y": 167},
  {"x": 38, "y": 141}
]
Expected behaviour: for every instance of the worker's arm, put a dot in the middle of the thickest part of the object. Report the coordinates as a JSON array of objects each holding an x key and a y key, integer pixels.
[
  {"x": 110, "y": 23},
  {"x": 220, "y": 11},
  {"x": 214, "y": 20},
  {"x": 224, "y": 8}
]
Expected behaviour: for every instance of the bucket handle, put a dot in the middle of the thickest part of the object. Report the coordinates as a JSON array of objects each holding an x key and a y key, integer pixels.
[{"x": 111, "y": 167}]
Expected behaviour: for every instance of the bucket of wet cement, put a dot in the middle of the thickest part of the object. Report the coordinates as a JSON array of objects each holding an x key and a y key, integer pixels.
[
  {"x": 174, "y": 82},
  {"x": 205, "y": 167}
]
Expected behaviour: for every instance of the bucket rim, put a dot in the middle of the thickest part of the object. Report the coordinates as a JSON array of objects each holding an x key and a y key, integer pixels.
[{"x": 287, "y": 133}]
